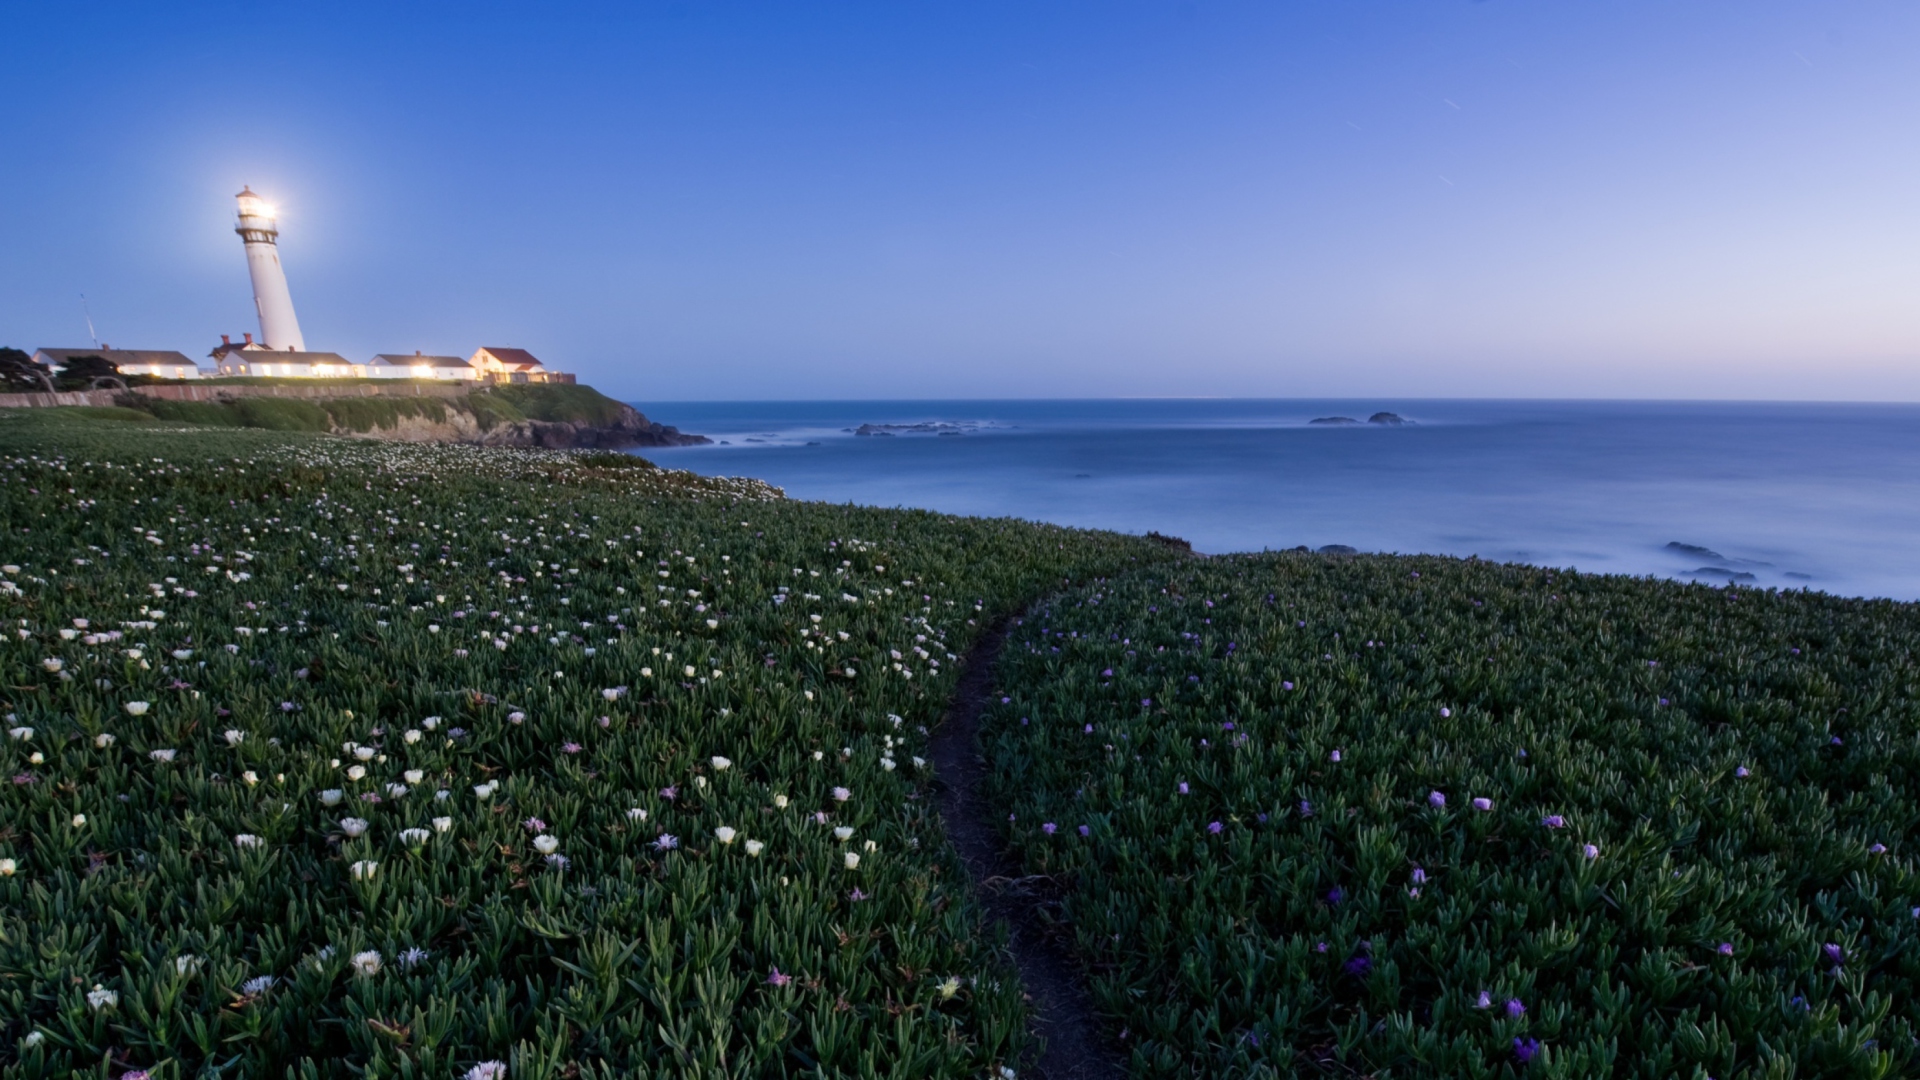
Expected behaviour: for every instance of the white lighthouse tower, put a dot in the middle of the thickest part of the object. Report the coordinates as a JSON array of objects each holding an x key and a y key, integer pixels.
[{"x": 279, "y": 330}]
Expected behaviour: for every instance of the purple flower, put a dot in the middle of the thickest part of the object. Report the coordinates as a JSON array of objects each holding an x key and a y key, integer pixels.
[
  {"x": 1436, "y": 800},
  {"x": 1742, "y": 772},
  {"x": 1084, "y": 831},
  {"x": 1146, "y": 703},
  {"x": 1591, "y": 851},
  {"x": 1554, "y": 821},
  {"x": 1834, "y": 953},
  {"x": 1726, "y": 948},
  {"x": 1334, "y": 757},
  {"x": 1183, "y": 787},
  {"x": 1228, "y": 726},
  {"x": 666, "y": 842},
  {"x": 1483, "y": 804},
  {"x": 1320, "y": 947},
  {"x": 1516, "y": 1008},
  {"x": 534, "y": 824},
  {"x": 1525, "y": 1049},
  {"x": 1286, "y": 686},
  {"x": 1306, "y": 808},
  {"x": 1048, "y": 828},
  {"x": 1877, "y": 849},
  {"x": 1215, "y": 828},
  {"x": 570, "y": 748},
  {"x": 1336, "y": 895},
  {"x": 777, "y": 979},
  {"x": 1484, "y": 1001},
  {"x": 1358, "y": 966},
  {"x": 856, "y": 895},
  {"x": 1107, "y": 674},
  {"x": 1088, "y": 730},
  {"x": 1419, "y": 876},
  {"x": 669, "y": 793}
]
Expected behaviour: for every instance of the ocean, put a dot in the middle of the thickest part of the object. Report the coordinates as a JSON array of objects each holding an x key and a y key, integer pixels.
[{"x": 1773, "y": 495}]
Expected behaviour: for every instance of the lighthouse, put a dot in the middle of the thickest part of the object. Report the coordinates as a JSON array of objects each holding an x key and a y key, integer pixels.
[{"x": 279, "y": 330}]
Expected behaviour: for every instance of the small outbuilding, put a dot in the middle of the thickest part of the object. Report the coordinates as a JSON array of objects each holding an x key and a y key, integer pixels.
[
  {"x": 418, "y": 365},
  {"x": 159, "y": 363}
]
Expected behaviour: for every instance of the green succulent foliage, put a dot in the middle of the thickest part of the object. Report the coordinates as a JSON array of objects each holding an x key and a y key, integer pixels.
[
  {"x": 1695, "y": 857},
  {"x": 417, "y": 722}
]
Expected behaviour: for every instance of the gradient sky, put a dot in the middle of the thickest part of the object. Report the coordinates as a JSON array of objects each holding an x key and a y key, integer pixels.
[{"x": 925, "y": 199}]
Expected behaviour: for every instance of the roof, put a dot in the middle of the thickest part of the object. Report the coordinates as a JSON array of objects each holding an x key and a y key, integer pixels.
[
  {"x": 511, "y": 357},
  {"x": 116, "y": 357},
  {"x": 265, "y": 356},
  {"x": 416, "y": 359}
]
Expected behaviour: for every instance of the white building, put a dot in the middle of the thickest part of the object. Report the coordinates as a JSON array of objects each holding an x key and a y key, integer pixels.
[
  {"x": 160, "y": 363},
  {"x": 267, "y": 364},
  {"x": 419, "y": 366}
]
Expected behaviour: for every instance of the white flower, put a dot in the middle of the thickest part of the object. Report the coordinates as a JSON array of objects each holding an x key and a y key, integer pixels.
[
  {"x": 250, "y": 777},
  {"x": 841, "y": 794},
  {"x": 366, "y": 964},
  {"x": 488, "y": 1070},
  {"x": 852, "y": 860},
  {"x": 398, "y": 791},
  {"x": 246, "y": 840},
  {"x": 162, "y": 755},
  {"x": 721, "y": 764},
  {"x": 636, "y": 814},
  {"x": 234, "y": 736},
  {"x": 8, "y": 867},
  {"x": 259, "y": 984},
  {"x": 101, "y": 998},
  {"x": 754, "y": 847},
  {"x": 136, "y": 708},
  {"x": 363, "y": 753},
  {"x": 183, "y": 654},
  {"x": 186, "y": 965},
  {"x": 362, "y": 871},
  {"x": 546, "y": 844},
  {"x": 416, "y": 837},
  {"x": 516, "y": 717},
  {"x": 21, "y": 734},
  {"x": 411, "y": 735},
  {"x": 34, "y": 1038},
  {"x": 483, "y": 791},
  {"x": 353, "y": 826},
  {"x": 780, "y": 802},
  {"x": 887, "y": 763},
  {"x": 331, "y": 796},
  {"x": 53, "y": 664},
  {"x": 611, "y": 694},
  {"x": 356, "y": 772},
  {"x": 79, "y": 820},
  {"x": 37, "y": 757},
  {"x": 134, "y": 654},
  {"x": 843, "y": 833},
  {"x": 442, "y": 824},
  {"x": 699, "y": 781},
  {"x": 103, "y": 740},
  {"x": 430, "y": 723},
  {"x": 413, "y": 776},
  {"x": 919, "y": 763},
  {"x": 724, "y": 834}
]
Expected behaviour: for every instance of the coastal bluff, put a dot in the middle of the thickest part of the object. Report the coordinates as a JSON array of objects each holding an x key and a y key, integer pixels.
[{"x": 551, "y": 416}]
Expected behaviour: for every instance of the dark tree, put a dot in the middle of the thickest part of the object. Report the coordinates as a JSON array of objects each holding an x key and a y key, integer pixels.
[
  {"x": 19, "y": 374},
  {"x": 88, "y": 372}
]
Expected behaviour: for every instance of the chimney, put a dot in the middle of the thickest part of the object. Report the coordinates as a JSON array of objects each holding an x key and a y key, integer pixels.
[
  {"x": 249, "y": 339},
  {"x": 225, "y": 340},
  {"x": 416, "y": 352}
]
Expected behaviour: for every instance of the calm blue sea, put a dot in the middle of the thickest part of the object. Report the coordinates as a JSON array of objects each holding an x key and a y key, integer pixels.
[{"x": 1797, "y": 496}]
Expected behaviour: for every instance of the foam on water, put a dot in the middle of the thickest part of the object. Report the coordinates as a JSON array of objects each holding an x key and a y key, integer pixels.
[{"x": 1797, "y": 496}]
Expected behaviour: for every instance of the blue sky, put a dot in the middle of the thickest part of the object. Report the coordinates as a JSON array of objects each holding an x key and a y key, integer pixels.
[{"x": 926, "y": 199}]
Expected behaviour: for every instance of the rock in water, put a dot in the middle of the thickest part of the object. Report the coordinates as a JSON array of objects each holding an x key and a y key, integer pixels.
[
  {"x": 1388, "y": 418},
  {"x": 1334, "y": 420},
  {"x": 1338, "y": 549},
  {"x": 1693, "y": 550}
]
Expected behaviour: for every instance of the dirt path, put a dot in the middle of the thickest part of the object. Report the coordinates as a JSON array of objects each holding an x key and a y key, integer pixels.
[{"x": 1077, "y": 1045}]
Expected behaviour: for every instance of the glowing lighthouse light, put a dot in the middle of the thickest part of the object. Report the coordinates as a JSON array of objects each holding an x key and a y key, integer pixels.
[{"x": 279, "y": 330}]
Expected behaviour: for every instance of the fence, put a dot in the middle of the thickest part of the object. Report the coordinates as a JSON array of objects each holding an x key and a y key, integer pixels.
[{"x": 227, "y": 392}]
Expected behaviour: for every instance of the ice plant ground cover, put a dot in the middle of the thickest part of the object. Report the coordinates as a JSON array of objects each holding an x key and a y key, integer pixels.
[
  {"x": 329, "y": 758},
  {"x": 1424, "y": 817}
]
